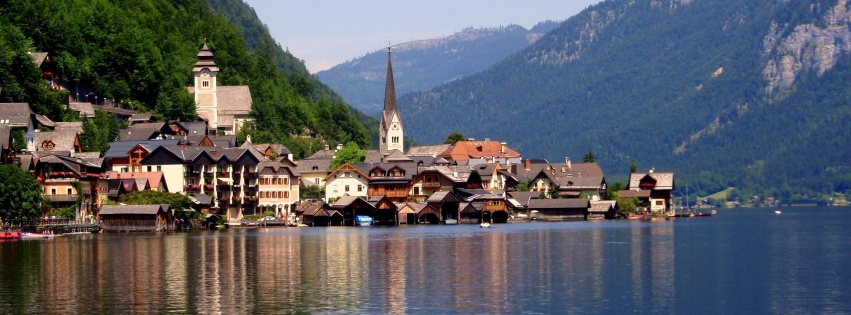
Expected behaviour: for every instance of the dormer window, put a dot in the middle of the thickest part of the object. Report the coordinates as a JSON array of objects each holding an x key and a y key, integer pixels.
[{"x": 47, "y": 145}]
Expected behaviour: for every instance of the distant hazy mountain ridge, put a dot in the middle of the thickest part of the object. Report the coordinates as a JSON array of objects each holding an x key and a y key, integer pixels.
[{"x": 422, "y": 64}]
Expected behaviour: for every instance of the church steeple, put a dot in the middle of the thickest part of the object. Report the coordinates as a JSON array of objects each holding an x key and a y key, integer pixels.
[
  {"x": 390, "y": 87},
  {"x": 390, "y": 131}
]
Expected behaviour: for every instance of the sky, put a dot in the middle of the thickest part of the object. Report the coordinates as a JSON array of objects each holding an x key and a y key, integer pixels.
[{"x": 324, "y": 33}]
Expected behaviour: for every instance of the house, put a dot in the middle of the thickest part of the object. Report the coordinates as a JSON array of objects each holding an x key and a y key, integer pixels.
[
  {"x": 228, "y": 175},
  {"x": 319, "y": 213},
  {"x": 559, "y": 209},
  {"x": 224, "y": 108},
  {"x": 432, "y": 179},
  {"x": 47, "y": 67},
  {"x": 188, "y": 128},
  {"x": 60, "y": 140},
  {"x": 269, "y": 150},
  {"x": 653, "y": 189},
  {"x": 19, "y": 118},
  {"x": 278, "y": 189},
  {"x": 472, "y": 152},
  {"x": 445, "y": 205},
  {"x": 413, "y": 212},
  {"x": 66, "y": 178},
  {"x": 347, "y": 180},
  {"x": 391, "y": 180},
  {"x": 571, "y": 179},
  {"x": 126, "y": 156},
  {"x": 142, "y": 132},
  {"x": 136, "y": 218},
  {"x": 314, "y": 169},
  {"x": 490, "y": 207}
]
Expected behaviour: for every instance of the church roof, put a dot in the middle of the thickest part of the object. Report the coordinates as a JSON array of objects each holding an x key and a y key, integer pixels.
[
  {"x": 390, "y": 87},
  {"x": 205, "y": 60}
]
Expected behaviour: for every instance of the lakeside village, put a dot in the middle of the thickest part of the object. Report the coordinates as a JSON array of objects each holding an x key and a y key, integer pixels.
[{"x": 470, "y": 181}]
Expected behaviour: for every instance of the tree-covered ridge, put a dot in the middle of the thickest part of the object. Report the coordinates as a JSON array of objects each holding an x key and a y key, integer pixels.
[
  {"x": 676, "y": 85},
  {"x": 141, "y": 54}
]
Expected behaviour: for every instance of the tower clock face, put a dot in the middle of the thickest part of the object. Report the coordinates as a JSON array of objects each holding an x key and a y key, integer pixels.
[{"x": 395, "y": 126}]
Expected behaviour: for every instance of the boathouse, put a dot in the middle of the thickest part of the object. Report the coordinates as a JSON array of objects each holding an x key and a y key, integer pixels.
[
  {"x": 136, "y": 218},
  {"x": 352, "y": 206},
  {"x": 559, "y": 209}
]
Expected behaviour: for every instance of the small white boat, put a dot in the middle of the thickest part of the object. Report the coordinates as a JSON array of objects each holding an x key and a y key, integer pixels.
[
  {"x": 36, "y": 236},
  {"x": 777, "y": 211},
  {"x": 485, "y": 225},
  {"x": 450, "y": 221}
]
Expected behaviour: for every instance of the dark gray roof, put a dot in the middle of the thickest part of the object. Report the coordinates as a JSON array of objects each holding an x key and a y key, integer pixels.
[
  {"x": 5, "y": 136},
  {"x": 15, "y": 114},
  {"x": 558, "y": 203},
  {"x": 132, "y": 209},
  {"x": 307, "y": 166},
  {"x": 119, "y": 149}
]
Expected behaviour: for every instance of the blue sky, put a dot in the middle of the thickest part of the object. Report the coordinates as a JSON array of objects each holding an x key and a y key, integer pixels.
[{"x": 325, "y": 33}]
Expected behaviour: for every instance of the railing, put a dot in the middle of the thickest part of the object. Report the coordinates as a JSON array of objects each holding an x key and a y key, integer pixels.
[
  {"x": 192, "y": 174},
  {"x": 224, "y": 187}
]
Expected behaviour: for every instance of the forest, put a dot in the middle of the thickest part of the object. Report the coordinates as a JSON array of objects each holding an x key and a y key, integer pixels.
[
  {"x": 140, "y": 54},
  {"x": 676, "y": 86}
]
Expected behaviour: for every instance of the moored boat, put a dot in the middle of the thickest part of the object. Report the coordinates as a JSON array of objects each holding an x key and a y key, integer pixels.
[
  {"x": 10, "y": 235},
  {"x": 36, "y": 236},
  {"x": 485, "y": 225}
]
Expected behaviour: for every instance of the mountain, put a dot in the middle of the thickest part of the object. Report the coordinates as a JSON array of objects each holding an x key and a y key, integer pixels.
[
  {"x": 423, "y": 64},
  {"x": 141, "y": 53},
  {"x": 747, "y": 94}
]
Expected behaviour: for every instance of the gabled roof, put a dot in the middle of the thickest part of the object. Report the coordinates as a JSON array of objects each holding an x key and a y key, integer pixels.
[
  {"x": 132, "y": 209},
  {"x": 523, "y": 197},
  {"x": 64, "y": 140},
  {"x": 664, "y": 180},
  {"x": 428, "y": 150},
  {"x": 443, "y": 196},
  {"x": 38, "y": 57},
  {"x": 348, "y": 167},
  {"x": 119, "y": 149},
  {"x": 277, "y": 167},
  {"x": 346, "y": 201},
  {"x": 154, "y": 179},
  {"x": 465, "y": 150},
  {"x": 307, "y": 166},
  {"x": 141, "y": 117},
  {"x": 586, "y": 182},
  {"x": 602, "y": 205},
  {"x": 396, "y": 156}
]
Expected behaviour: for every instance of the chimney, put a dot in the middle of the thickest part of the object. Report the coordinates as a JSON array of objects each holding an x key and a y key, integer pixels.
[
  {"x": 502, "y": 147},
  {"x": 327, "y": 147},
  {"x": 567, "y": 162},
  {"x": 339, "y": 146},
  {"x": 564, "y": 169},
  {"x": 528, "y": 164}
]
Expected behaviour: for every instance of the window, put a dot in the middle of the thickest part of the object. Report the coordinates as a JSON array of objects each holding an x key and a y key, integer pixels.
[
  {"x": 316, "y": 181},
  {"x": 159, "y": 168},
  {"x": 659, "y": 202},
  {"x": 416, "y": 190},
  {"x": 347, "y": 188},
  {"x": 53, "y": 191},
  {"x": 205, "y": 83},
  {"x": 315, "y": 168},
  {"x": 360, "y": 188},
  {"x": 286, "y": 181},
  {"x": 69, "y": 192},
  {"x": 286, "y": 194},
  {"x": 348, "y": 174}
]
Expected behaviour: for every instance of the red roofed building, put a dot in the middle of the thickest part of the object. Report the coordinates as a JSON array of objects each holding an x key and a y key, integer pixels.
[{"x": 474, "y": 152}]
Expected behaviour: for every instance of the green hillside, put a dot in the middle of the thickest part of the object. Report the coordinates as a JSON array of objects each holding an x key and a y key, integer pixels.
[
  {"x": 141, "y": 53},
  {"x": 738, "y": 94}
]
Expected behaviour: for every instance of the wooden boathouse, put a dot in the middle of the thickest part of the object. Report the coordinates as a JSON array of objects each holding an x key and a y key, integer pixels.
[{"x": 136, "y": 218}]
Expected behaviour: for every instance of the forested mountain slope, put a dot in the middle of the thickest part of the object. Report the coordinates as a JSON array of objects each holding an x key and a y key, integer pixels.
[
  {"x": 141, "y": 53},
  {"x": 423, "y": 64},
  {"x": 749, "y": 94}
]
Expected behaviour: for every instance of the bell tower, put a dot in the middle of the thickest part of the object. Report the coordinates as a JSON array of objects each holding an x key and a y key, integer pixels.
[{"x": 206, "y": 100}]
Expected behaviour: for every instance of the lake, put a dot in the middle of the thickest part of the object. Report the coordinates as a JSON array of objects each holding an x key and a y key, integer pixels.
[{"x": 742, "y": 261}]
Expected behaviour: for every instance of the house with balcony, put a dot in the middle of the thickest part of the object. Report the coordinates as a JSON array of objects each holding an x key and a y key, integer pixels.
[
  {"x": 472, "y": 152},
  {"x": 431, "y": 179},
  {"x": 228, "y": 175},
  {"x": 391, "y": 180},
  {"x": 66, "y": 178}
]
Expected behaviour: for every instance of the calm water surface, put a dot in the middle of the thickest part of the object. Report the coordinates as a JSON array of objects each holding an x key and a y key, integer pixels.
[{"x": 747, "y": 261}]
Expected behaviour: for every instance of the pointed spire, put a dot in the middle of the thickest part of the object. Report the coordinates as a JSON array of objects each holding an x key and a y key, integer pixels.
[{"x": 390, "y": 87}]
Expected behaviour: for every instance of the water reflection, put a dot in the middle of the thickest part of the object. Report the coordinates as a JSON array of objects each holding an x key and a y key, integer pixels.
[{"x": 682, "y": 266}]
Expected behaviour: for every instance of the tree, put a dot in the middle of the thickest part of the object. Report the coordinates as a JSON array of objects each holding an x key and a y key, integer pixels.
[
  {"x": 523, "y": 186},
  {"x": 454, "y": 137},
  {"x": 633, "y": 167},
  {"x": 313, "y": 191},
  {"x": 626, "y": 205},
  {"x": 20, "y": 194},
  {"x": 350, "y": 153},
  {"x": 612, "y": 191},
  {"x": 589, "y": 158},
  {"x": 174, "y": 201}
]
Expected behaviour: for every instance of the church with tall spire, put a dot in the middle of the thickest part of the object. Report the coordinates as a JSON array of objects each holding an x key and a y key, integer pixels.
[
  {"x": 390, "y": 134},
  {"x": 224, "y": 108}
]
